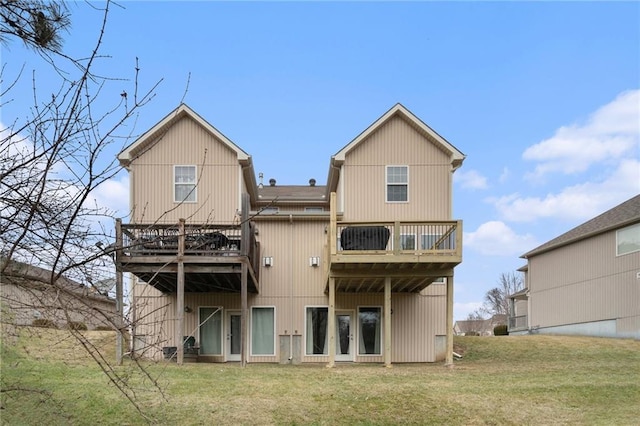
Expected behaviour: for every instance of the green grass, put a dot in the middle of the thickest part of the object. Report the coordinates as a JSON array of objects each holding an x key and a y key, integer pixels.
[{"x": 501, "y": 380}]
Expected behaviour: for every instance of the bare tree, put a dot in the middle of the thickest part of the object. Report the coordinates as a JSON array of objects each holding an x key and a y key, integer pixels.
[
  {"x": 496, "y": 300},
  {"x": 52, "y": 160}
]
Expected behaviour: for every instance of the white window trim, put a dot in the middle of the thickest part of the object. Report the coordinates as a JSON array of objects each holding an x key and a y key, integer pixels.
[
  {"x": 274, "y": 330},
  {"x": 357, "y": 335},
  {"x": 386, "y": 184},
  {"x": 618, "y": 243},
  {"x": 195, "y": 184},
  {"x": 305, "y": 329}
]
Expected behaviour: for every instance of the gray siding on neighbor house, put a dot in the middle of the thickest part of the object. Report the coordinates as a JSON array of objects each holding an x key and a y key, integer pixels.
[{"x": 585, "y": 282}]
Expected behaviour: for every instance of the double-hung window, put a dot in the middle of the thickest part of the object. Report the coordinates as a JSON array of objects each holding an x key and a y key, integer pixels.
[
  {"x": 397, "y": 188},
  {"x": 628, "y": 240},
  {"x": 184, "y": 184}
]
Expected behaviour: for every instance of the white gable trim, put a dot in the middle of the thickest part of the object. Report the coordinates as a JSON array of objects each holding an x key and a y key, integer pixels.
[
  {"x": 126, "y": 156},
  {"x": 456, "y": 156}
]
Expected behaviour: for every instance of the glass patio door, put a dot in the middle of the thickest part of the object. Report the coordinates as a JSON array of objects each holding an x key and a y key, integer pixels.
[
  {"x": 344, "y": 336},
  {"x": 234, "y": 336}
]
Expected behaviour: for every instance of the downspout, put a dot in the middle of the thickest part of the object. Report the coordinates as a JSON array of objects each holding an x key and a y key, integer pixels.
[{"x": 291, "y": 280}]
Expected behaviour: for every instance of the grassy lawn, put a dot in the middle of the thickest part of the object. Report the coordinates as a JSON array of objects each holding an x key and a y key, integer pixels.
[{"x": 501, "y": 380}]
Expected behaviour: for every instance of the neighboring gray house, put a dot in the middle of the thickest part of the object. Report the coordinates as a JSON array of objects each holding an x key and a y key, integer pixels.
[
  {"x": 26, "y": 296},
  {"x": 480, "y": 327},
  {"x": 586, "y": 281}
]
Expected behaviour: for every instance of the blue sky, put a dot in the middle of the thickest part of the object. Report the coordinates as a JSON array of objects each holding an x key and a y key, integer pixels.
[{"x": 543, "y": 98}]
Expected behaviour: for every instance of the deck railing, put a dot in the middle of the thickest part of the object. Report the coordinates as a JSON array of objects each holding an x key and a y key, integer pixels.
[
  {"x": 518, "y": 322},
  {"x": 398, "y": 238},
  {"x": 200, "y": 240}
]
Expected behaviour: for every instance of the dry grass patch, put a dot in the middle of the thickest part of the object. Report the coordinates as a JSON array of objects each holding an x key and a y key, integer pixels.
[{"x": 505, "y": 380}]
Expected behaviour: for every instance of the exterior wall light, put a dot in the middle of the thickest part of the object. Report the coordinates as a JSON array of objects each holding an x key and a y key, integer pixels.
[
  {"x": 267, "y": 261},
  {"x": 314, "y": 261}
]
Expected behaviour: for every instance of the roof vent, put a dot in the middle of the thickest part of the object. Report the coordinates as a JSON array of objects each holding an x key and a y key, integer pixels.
[
  {"x": 312, "y": 182},
  {"x": 272, "y": 182}
]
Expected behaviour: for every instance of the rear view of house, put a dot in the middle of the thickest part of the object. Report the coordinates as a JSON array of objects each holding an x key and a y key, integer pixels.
[
  {"x": 228, "y": 267},
  {"x": 586, "y": 281}
]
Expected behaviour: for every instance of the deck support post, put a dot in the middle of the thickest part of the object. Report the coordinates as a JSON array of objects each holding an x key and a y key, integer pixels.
[
  {"x": 245, "y": 228},
  {"x": 180, "y": 294},
  {"x": 119, "y": 294},
  {"x": 244, "y": 315},
  {"x": 332, "y": 322},
  {"x": 449, "y": 354},
  {"x": 387, "y": 321}
]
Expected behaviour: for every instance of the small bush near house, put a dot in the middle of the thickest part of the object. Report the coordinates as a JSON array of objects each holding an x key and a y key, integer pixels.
[
  {"x": 76, "y": 325},
  {"x": 43, "y": 322},
  {"x": 471, "y": 333},
  {"x": 104, "y": 328},
  {"x": 500, "y": 330}
]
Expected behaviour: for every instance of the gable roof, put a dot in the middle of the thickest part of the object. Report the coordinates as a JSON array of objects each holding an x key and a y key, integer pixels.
[
  {"x": 457, "y": 157},
  {"x": 622, "y": 215},
  {"x": 399, "y": 110},
  {"x": 152, "y": 136}
]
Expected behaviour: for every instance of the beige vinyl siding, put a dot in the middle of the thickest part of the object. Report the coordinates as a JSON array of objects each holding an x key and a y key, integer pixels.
[
  {"x": 364, "y": 182},
  {"x": 218, "y": 174},
  {"x": 583, "y": 282}
]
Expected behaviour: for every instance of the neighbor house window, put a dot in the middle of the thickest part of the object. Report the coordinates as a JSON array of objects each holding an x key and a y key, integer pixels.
[
  {"x": 397, "y": 184},
  {"x": 628, "y": 239},
  {"x": 263, "y": 331},
  {"x": 184, "y": 184},
  {"x": 210, "y": 331},
  {"x": 369, "y": 327},
  {"x": 269, "y": 210},
  {"x": 314, "y": 209},
  {"x": 317, "y": 336}
]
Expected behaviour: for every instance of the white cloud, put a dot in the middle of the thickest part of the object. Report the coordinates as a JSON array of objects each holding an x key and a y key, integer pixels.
[
  {"x": 471, "y": 180},
  {"x": 495, "y": 238},
  {"x": 610, "y": 133},
  {"x": 504, "y": 176},
  {"x": 578, "y": 202},
  {"x": 113, "y": 195}
]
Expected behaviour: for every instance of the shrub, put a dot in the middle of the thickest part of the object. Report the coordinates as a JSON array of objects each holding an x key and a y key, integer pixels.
[
  {"x": 104, "y": 328},
  {"x": 44, "y": 322},
  {"x": 471, "y": 333},
  {"x": 76, "y": 325},
  {"x": 500, "y": 330}
]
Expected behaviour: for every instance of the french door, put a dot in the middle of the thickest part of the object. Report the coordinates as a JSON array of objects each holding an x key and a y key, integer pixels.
[
  {"x": 234, "y": 333},
  {"x": 344, "y": 336}
]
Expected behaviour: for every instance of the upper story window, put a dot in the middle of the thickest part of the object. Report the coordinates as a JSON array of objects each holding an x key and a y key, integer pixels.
[
  {"x": 397, "y": 184},
  {"x": 184, "y": 184},
  {"x": 314, "y": 209},
  {"x": 628, "y": 239}
]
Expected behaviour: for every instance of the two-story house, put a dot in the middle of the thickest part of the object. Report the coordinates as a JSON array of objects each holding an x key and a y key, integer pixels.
[
  {"x": 231, "y": 268},
  {"x": 585, "y": 281}
]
